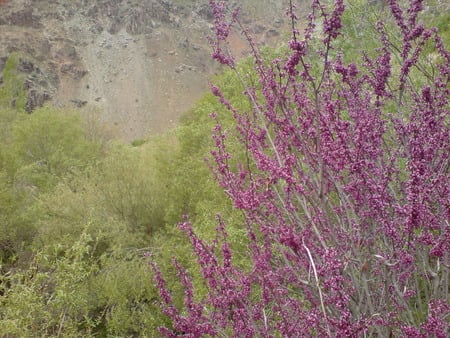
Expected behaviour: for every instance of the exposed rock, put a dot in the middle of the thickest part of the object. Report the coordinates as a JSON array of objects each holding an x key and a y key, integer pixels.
[
  {"x": 67, "y": 51},
  {"x": 23, "y": 18},
  {"x": 278, "y": 23},
  {"x": 145, "y": 59},
  {"x": 204, "y": 11},
  {"x": 272, "y": 33},
  {"x": 38, "y": 84},
  {"x": 36, "y": 98},
  {"x": 258, "y": 29},
  {"x": 26, "y": 66},
  {"x": 78, "y": 103},
  {"x": 72, "y": 70}
]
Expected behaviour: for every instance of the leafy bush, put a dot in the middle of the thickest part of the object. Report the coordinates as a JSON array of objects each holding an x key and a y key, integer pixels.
[
  {"x": 47, "y": 302},
  {"x": 344, "y": 188},
  {"x": 49, "y": 144},
  {"x": 12, "y": 93},
  {"x": 40, "y": 151}
]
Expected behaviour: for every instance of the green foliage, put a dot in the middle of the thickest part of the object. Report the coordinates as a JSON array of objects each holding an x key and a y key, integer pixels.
[
  {"x": 437, "y": 14},
  {"x": 77, "y": 213},
  {"x": 125, "y": 294},
  {"x": 42, "y": 149},
  {"x": 81, "y": 288},
  {"x": 130, "y": 189},
  {"x": 50, "y": 144},
  {"x": 47, "y": 302},
  {"x": 138, "y": 142},
  {"x": 12, "y": 93}
]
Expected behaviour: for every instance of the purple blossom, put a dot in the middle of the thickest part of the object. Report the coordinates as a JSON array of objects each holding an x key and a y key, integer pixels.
[{"x": 347, "y": 202}]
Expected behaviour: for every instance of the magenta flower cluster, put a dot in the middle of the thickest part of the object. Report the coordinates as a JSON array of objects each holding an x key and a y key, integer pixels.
[{"x": 346, "y": 196}]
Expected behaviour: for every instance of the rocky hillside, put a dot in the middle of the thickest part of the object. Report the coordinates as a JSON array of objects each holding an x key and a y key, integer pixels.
[{"x": 140, "y": 63}]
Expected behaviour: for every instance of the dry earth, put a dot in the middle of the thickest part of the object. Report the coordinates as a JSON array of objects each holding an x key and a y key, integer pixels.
[{"x": 140, "y": 64}]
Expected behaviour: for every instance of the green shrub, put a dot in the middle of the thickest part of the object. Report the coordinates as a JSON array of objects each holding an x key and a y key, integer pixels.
[{"x": 12, "y": 93}]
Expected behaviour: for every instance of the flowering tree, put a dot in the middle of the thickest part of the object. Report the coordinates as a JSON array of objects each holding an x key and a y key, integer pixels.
[{"x": 345, "y": 189}]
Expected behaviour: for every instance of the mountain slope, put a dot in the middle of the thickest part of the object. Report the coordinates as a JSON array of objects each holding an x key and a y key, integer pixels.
[{"x": 139, "y": 63}]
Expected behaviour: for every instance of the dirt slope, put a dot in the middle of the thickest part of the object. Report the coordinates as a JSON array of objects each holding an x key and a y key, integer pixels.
[{"x": 140, "y": 63}]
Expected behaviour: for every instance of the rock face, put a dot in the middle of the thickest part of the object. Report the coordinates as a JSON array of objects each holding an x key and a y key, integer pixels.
[{"x": 140, "y": 63}]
